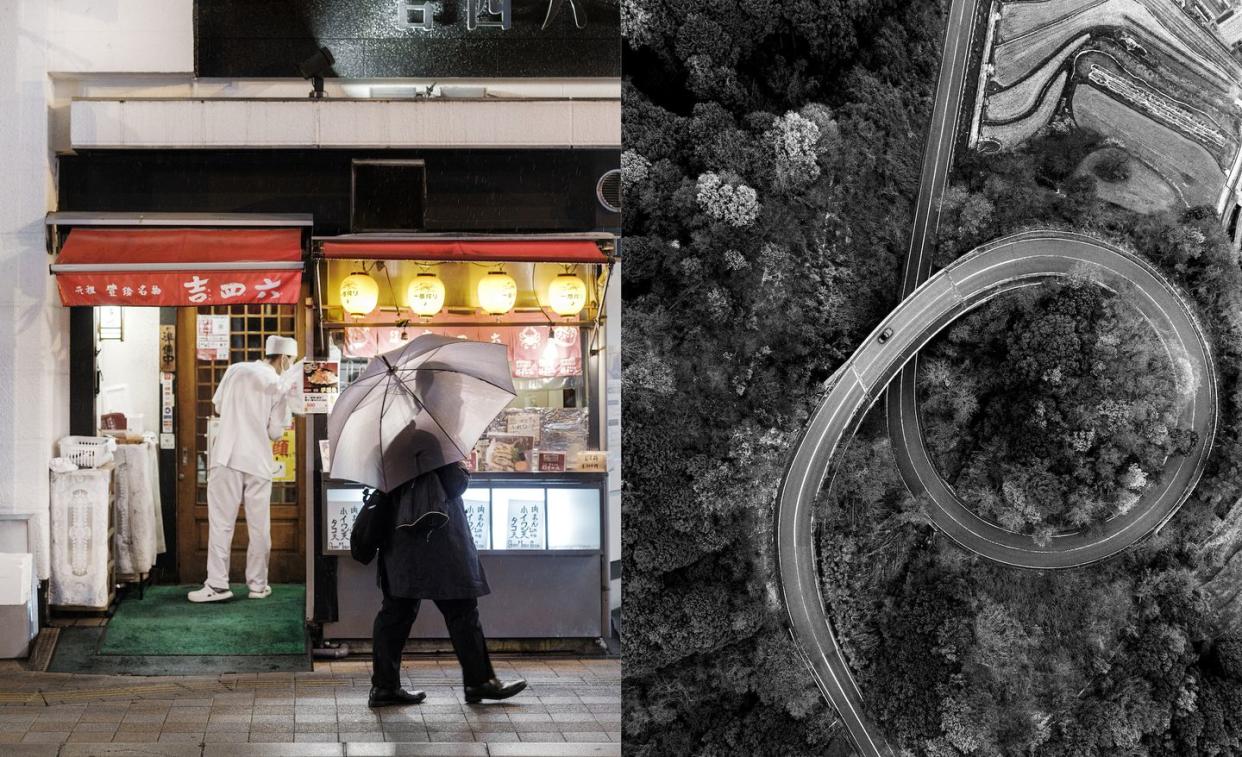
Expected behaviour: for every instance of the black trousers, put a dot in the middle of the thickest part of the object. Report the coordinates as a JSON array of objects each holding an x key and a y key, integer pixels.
[{"x": 392, "y": 628}]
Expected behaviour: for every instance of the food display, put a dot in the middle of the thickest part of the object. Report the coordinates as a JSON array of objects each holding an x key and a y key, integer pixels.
[{"x": 532, "y": 439}]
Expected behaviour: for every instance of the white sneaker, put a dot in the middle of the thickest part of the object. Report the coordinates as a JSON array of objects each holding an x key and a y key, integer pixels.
[
  {"x": 264, "y": 594},
  {"x": 208, "y": 594}
]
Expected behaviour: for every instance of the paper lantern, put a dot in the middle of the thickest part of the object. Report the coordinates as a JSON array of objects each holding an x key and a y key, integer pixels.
[
  {"x": 567, "y": 295},
  {"x": 425, "y": 295},
  {"x": 497, "y": 293},
  {"x": 359, "y": 294}
]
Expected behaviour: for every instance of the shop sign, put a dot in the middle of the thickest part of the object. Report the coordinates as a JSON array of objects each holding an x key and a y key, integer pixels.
[
  {"x": 321, "y": 384},
  {"x": 168, "y": 347},
  {"x": 212, "y": 337},
  {"x": 179, "y": 288},
  {"x": 284, "y": 450}
]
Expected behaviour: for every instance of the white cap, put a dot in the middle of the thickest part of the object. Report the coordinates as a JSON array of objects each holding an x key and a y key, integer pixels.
[{"x": 281, "y": 345}]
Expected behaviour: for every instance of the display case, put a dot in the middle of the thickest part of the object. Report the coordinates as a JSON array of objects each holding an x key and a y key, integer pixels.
[{"x": 540, "y": 539}]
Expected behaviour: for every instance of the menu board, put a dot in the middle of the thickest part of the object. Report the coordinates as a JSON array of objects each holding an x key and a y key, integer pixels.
[
  {"x": 340, "y": 513},
  {"x": 478, "y": 505},
  {"x": 526, "y": 524},
  {"x": 321, "y": 383}
]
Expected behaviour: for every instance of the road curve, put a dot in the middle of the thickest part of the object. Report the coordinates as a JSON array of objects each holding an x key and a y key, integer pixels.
[{"x": 970, "y": 281}]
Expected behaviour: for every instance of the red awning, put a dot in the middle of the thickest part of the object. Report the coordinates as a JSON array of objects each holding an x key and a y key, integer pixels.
[
  {"x": 483, "y": 250},
  {"x": 170, "y": 266}
]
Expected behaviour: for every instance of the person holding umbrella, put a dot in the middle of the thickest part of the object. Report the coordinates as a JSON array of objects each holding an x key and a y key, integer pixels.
[{"x": 404, "y": 426}]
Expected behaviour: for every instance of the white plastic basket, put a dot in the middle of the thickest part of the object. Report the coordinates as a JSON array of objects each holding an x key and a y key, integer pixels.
[{"x": 87, "y": 451}]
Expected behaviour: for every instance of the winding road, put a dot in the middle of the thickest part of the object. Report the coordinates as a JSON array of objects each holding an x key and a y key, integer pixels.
[{"x": 1001, "y": 266}]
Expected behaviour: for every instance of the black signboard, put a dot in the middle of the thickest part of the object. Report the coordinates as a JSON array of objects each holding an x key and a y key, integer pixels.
[{"x": 435, "y": 39}]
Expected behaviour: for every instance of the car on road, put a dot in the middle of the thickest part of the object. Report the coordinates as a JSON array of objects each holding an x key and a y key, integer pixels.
[{"x": 885, "y": 334}]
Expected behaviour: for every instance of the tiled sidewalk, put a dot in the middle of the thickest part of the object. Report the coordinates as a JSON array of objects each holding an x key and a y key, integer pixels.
[{"x": 571, "y": 707}]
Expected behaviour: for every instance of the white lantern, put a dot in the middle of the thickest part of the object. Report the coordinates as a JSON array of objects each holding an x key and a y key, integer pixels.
[
  {"x": 425, "y": 295},
  {"x": 567, "y": 295},
  {"x": 497, "y": 293},
  {"x": 359, "y": 294}
]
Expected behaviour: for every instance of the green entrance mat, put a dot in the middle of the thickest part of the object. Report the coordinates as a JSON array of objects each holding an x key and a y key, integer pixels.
[{"x": 164, "y": 622}]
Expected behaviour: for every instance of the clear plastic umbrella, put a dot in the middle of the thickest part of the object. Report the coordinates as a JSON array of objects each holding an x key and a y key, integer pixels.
[{"x": 417, "y": 408}]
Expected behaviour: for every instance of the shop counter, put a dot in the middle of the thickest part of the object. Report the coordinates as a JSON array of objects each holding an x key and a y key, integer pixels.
[{"x": 540, "y": 538}]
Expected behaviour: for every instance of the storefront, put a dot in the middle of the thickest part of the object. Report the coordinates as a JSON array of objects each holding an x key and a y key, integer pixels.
[
  {"x": 186, "y": 272},
  {"x": 161, "y": 305},
  {"x": 538, "y": 498}
]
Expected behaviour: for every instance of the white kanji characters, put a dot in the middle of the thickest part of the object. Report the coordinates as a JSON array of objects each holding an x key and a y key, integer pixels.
[
  {"x": 198, "y": 289},
  {"x": 266, "y": 287},
  {"x": 231, "y": 290},
  {"x": 111, "y": 290},
  {"x": 90, "y": 288},
  {"x": 142, "y": 290},
  {"x": 79, "y": 290},
  {"x": 127, "y": 291},
  {"x": 156, "y": 291}
]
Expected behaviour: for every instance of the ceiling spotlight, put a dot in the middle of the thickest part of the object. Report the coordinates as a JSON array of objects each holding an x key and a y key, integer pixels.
[{"x": 314, "y": 68}]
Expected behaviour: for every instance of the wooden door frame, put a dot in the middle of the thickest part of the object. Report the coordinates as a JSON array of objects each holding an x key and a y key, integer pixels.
[{"x": 186, "y": 454}]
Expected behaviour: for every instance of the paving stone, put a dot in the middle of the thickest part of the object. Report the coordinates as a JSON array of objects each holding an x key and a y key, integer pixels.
[
  {"x": 273, "y": 750},
  {"x": 31, "y": 750},
  {"x": 541, "y": 736},
  {"x": 195, "y": 737},
  {"x": 134, "y": 749},
  {"x": 555, "y": 750},
  {"x": 415, "y": 750},
  {"x": 45, "y": 737}
]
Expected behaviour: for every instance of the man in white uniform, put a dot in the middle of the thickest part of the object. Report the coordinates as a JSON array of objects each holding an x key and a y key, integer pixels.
[{"x": 255, "y": 404}]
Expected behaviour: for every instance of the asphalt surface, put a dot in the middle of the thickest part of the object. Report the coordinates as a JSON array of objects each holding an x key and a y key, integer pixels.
[{"x": 1005, "y": 265}]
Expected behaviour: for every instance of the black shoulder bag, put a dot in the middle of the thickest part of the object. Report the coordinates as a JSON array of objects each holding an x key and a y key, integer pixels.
[{"x": 373, "y": 526}]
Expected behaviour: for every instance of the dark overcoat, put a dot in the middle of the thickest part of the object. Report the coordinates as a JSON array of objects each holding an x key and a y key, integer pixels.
[{"x": 438, "y": 562}]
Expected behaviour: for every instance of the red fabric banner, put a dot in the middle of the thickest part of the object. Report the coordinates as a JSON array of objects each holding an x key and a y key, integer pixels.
[
  {"x": 179, "y": 288},
  {"x": 121, "y": 246},
  {"x": 499, "y": 250}
]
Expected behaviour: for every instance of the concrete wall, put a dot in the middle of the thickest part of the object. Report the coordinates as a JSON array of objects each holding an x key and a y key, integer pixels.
[{"x": 37, "y": 38}]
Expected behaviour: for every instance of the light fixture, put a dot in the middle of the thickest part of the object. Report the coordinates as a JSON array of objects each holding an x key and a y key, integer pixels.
[
  {"x": 567, "y": 295},
  {"x": 425, "y": 295},
  {"x": 315, "y": 68},
  {"x": 497, "y": 292},
  {"x": 359, "y": 294}
]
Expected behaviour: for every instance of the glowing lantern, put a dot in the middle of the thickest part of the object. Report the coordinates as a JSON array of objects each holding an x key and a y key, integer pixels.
[
  {"x": 425, "y": 295},
  {"x": 567, "y": 295},
  {"x": 497, "y": 293},
  {"x": 359, "y": 294}
]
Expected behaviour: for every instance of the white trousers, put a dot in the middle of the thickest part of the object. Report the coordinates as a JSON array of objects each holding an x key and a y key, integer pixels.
[{"x": 227, "y": 489}]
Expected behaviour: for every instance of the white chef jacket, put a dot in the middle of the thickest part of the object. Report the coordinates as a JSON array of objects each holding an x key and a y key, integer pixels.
[{"x": 254, "y": 408}]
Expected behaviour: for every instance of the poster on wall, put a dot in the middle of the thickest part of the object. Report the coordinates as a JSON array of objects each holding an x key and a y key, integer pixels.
[
  {"x": 284, "y": 449},
  {"x": 526, "y": 528},
  {"x": 212, "y": 334},
  {"x": 321, "y": 383},
  {"x": 477, "y": 503},
  {"x": 339, "y": 516}
]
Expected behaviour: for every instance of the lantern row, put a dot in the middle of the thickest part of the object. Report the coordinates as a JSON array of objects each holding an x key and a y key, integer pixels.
[{"x": 497, "y": 293}]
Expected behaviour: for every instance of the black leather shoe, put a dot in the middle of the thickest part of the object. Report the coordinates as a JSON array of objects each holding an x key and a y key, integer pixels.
[
  {"x": 387, "y": 697},
  {"x": 493, "y": 689}
]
